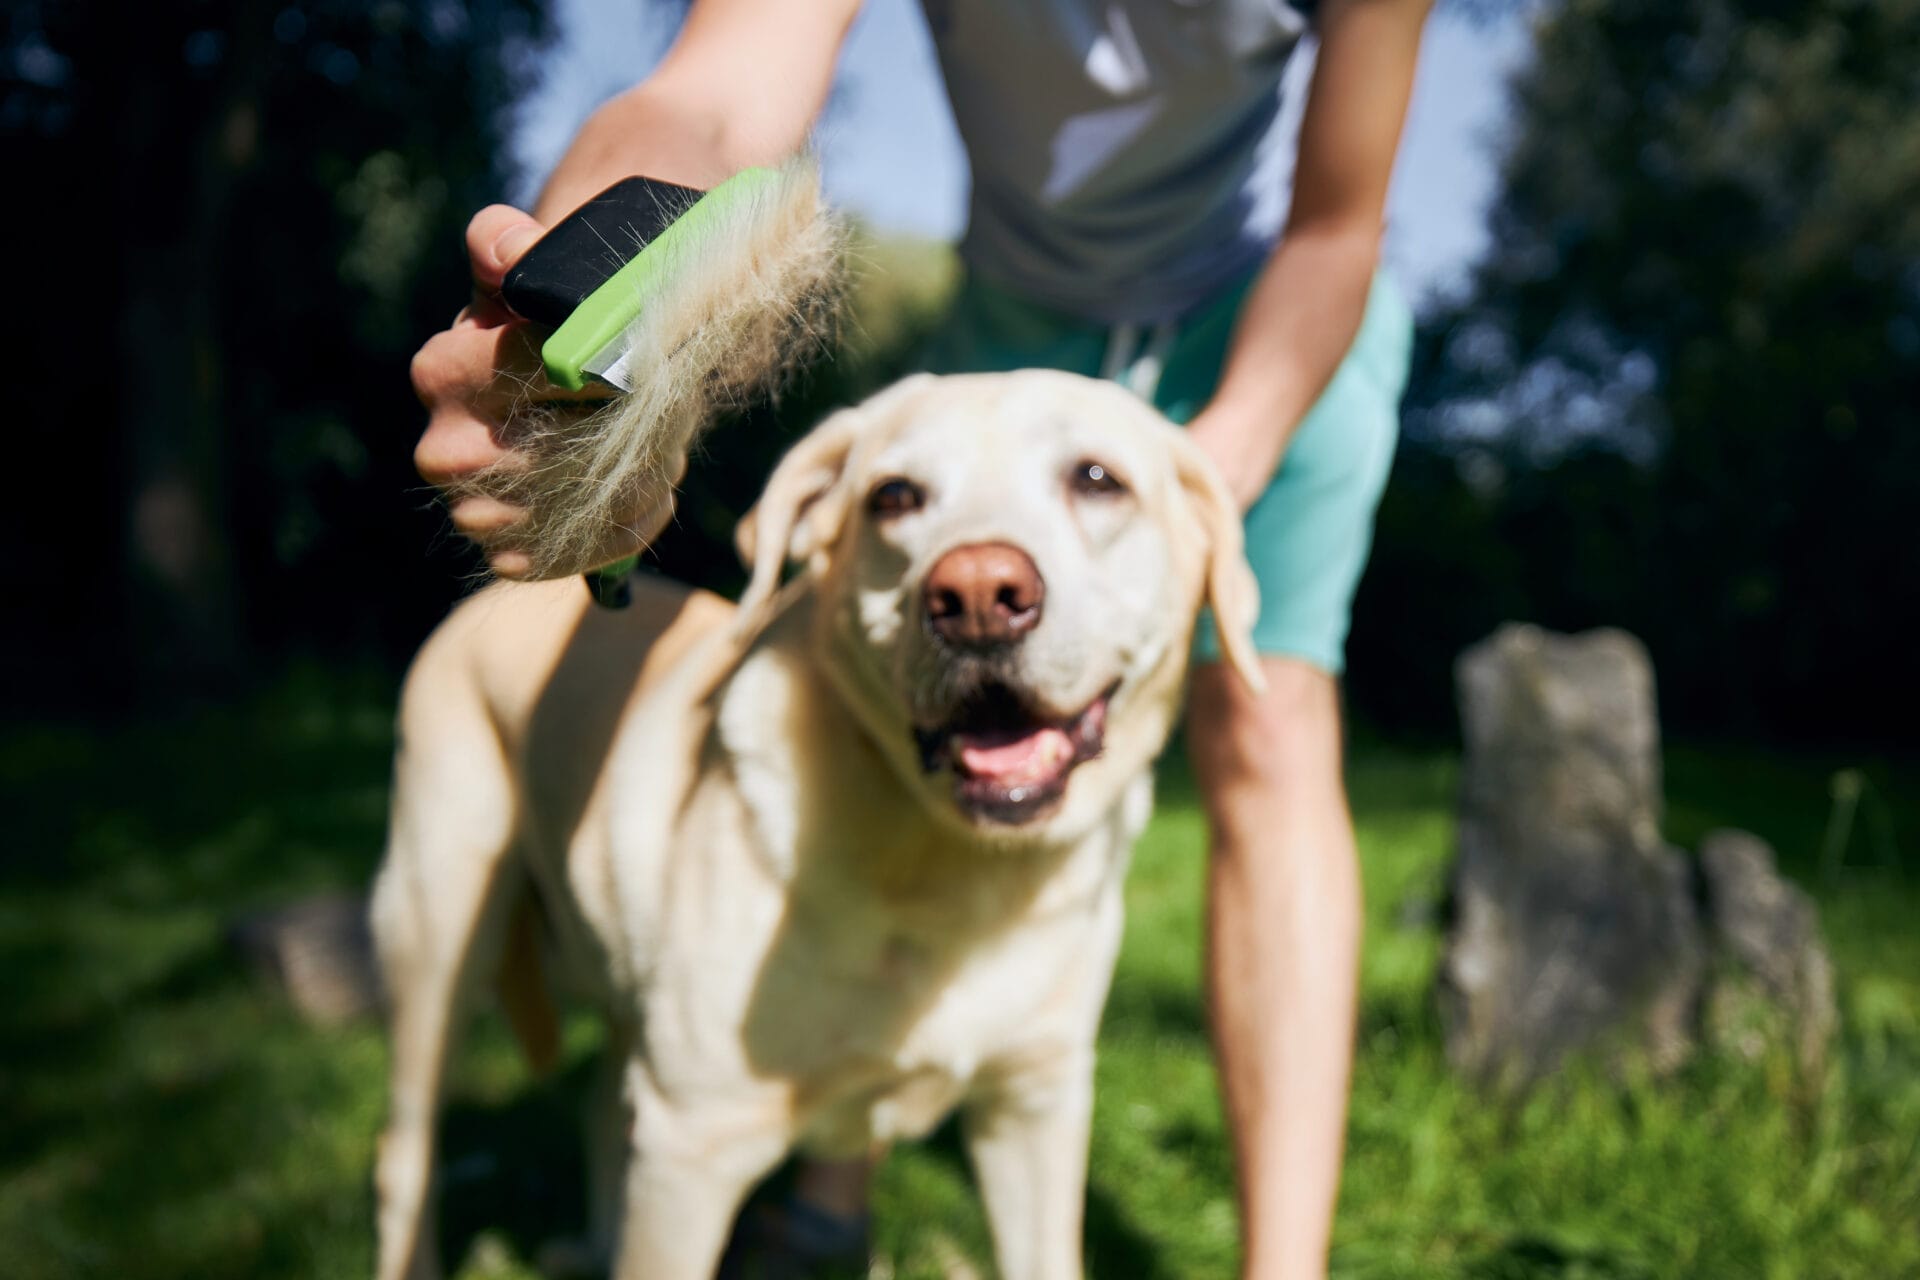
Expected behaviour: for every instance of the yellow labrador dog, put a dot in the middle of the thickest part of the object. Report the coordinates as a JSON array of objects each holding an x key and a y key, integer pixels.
[{"x": 838, "y": 860}]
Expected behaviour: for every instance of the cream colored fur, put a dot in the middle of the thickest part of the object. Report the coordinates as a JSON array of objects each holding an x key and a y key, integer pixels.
[{"x": 799, "y": 939}]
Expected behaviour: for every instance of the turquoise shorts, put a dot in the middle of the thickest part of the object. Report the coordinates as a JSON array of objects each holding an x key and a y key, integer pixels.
[{"x": 1309, "y": 533}]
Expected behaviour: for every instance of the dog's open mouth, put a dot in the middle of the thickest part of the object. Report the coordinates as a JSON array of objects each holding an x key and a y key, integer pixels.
[{"x": 1011, "y": 760}]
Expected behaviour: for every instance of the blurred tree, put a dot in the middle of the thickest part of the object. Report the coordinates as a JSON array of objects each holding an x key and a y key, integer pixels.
[
  {"x": 1682, "y": 392},
  {"x": 234, "y": 223}
]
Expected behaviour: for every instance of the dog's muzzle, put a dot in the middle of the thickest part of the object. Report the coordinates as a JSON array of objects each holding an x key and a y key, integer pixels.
[{"x": 1011, "y": 759}]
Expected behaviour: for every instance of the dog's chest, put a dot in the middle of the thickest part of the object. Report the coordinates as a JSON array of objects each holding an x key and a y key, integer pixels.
[
  {"x": 908, "y": 1105},
  {"x": 891, "y": 1053}
]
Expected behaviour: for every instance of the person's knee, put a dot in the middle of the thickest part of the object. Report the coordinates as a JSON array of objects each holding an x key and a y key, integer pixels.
[{"x": 1284, "y": 742}]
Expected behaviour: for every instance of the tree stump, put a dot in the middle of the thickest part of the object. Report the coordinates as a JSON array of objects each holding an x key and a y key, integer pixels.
[
  {"x": 1572, "y": 920},
  {"x": 1772, "y": 985},
  {"x": 320, "y": 950}
]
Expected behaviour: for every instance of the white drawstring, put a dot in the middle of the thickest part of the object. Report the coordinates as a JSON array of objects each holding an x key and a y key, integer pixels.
[
  {"x": 1134, "y": 364},
  {"x": 1144, "y": 377},
  {"x": 1120, "y": 341}
]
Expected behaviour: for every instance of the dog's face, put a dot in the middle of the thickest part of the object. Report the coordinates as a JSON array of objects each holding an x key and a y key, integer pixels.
[{"x": 1008, "y": 569}]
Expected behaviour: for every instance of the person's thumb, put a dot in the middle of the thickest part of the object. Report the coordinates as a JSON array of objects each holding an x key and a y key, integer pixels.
[{"x": 496, "y": 238}]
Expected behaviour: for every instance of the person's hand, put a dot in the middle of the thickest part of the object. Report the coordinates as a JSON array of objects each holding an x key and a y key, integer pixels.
[
  {"x": 1245, "y": 449},
  {"x": 472, "y": 378}
]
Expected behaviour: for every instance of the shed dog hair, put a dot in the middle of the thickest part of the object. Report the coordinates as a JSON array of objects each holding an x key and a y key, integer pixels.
[
  {"x": 727, "y": 319},
  {"x": 834, "y": 861}
]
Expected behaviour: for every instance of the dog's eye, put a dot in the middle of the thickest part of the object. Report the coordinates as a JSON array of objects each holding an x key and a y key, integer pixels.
[
  {"x": 896, "y": 497},
  {"x": 1091, "y": 477}
]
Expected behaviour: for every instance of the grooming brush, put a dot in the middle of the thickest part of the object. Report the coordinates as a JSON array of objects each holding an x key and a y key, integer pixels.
[{"x": 685, "y": 304}]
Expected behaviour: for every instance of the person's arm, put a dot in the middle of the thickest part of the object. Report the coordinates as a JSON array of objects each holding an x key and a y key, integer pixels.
[
  {"x": 1284, "y": 908},
  {"x": 1306, "y": 306},
  {"x": 741, "y": 86}
]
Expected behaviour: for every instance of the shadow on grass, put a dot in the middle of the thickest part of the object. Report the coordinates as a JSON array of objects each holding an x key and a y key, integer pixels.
[
  {"x": 1142, "y": 1007},
  {"x": 516, "y": 1169},
  {"x": 1539, "y": 1257},
  {"x": 168, "y": 1142},
  {"x": 1115, "y": 1245},
  {"x": 57, "y": 1034}
]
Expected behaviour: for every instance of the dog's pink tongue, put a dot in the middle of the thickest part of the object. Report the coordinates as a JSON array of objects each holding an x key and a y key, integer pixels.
[{"x": 1027, "y": 758}]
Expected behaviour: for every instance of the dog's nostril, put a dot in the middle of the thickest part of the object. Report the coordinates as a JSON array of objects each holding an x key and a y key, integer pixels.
[{"x": 983, "y": 594}]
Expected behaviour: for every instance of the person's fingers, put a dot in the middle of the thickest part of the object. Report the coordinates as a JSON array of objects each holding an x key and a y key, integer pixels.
[
  {"x": 473, "y": 379},
  {"x": 498, "y": 528},
  {"x": 456, "y": 446},
  {"x": 518, "y": 370},
  {"x": 510, "y": 564},
  {"x": 484, "y": 311},
  {"x": 453, "y": 364},
  {"x": 482, "y": 518},
  {"x": 496, "y": 237},
  {"x": 645, "y": 527},
  {"x": 489, "y": 370}
]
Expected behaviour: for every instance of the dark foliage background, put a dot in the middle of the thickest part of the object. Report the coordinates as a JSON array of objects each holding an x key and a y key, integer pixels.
[
  {"x": 1679, "y": 394},
  {"x": 240, "y": 219},
  {"x": 1682, "y": 393}
]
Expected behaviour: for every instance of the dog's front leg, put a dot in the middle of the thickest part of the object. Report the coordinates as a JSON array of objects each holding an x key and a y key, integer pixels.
[
  {"x": 439, "y": 908},
  {"x": 1027, "y": 1131},
  {"x": 609, "y": 1134},
  {"x": 687, "y": 1176}
]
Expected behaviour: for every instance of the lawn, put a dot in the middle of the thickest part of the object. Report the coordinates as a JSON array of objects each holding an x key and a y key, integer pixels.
[{"x": 162, "y": 1115}]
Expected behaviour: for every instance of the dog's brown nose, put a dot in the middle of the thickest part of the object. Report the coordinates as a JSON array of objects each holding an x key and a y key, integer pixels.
[{"x": 985, "y": 594}]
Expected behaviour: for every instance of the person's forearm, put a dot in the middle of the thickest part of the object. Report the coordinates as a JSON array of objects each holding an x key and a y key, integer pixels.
[
  {"x": 1307, "y": 305},
  {"x": 1283, "y": 957},
  {"x": 740, "y": 86},
  {"x": 642, "y": 131},
  {"x": 1298, "y": 323},
  {"x": 1295, "y": 327}
]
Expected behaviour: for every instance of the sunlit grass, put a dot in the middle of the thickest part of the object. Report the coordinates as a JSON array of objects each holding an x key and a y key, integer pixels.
[{"x": 162, "y": 1116}]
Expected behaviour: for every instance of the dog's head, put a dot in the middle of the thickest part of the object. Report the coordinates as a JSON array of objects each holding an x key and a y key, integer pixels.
[{"x": 1008, "y": 569}]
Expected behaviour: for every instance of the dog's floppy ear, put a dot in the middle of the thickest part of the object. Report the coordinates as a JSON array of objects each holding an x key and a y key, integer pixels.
[
  {"x": 1231, "y": 588},
  {"x": 800, "y": 512},
  {"x": 797, "y": 514}
]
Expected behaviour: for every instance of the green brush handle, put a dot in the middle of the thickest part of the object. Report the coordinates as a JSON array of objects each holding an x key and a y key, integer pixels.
[
  {"x": 610, "y": 585},
  {"x": 599, "y": 321}
]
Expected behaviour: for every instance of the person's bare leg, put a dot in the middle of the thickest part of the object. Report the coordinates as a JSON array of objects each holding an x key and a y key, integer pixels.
[{"x": 1283, "y": 947}]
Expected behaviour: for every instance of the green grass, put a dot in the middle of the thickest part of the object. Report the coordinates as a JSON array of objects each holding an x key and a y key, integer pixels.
[{"x": 162, "y": 1116}]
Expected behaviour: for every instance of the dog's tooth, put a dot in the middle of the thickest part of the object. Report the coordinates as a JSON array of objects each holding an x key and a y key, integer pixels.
[{"x": 1061, "y": 749}]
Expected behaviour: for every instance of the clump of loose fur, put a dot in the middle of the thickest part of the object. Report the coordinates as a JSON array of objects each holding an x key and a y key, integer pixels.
[{"x": 728, "y": 318}]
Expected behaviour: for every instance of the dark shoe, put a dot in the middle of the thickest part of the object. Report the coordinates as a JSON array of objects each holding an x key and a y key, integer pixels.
[{"x": 786, "y": 1239}]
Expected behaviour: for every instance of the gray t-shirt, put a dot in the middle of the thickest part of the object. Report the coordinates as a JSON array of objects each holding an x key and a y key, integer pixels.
[{"x": 1125, "y": 153}]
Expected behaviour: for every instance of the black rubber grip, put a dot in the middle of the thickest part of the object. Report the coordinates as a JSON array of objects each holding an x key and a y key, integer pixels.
[{"x": 581, "y": 252}]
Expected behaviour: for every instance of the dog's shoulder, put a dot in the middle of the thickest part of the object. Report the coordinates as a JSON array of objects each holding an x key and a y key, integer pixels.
[{"x": 543, "y": 648}]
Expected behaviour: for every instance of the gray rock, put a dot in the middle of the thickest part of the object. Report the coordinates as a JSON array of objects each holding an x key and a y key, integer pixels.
[
  {"x": 1573, "y": 922},
  {"x": 320, "y": 949},
  {"x": 1773, "y": 981}
]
